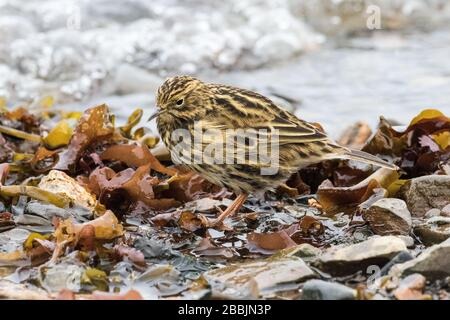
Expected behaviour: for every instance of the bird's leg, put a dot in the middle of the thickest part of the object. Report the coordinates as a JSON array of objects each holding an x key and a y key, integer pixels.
[{"x": 232, "y": 209}]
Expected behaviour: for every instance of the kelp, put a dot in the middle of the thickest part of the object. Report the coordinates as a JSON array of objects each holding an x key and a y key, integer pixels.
[
  {"x": 144, "y": 223},
  {"x": 35, "y": 193},
  {"x": 334, "y": 198},
  {"x": 420, "y": 148},
  {"x": 94, "y": 126},
  {"x": 59, "y": 136}
]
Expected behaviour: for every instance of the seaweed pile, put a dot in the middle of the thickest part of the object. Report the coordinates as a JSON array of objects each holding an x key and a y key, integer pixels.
[{"x": 90, "y": 210}]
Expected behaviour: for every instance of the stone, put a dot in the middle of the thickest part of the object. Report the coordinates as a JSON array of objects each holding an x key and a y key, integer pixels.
[
  {"x": 305, "y": 251},
  {"x": 425, "y": 193},
  {"x": 411, "y": 287},
  {"x": 445, "y": 212},
  {"x": 408, "y": 240},
  {"x": 389, "y": 216},
  {"x": 249, "y": 280},
  {"x": 203, "y": 205},
  {"x": 323, "y": 290},
  {"x": 58, "y": 182},
  {"x": 433, "y": 263},
  {"x": 432, "y": 213},
  {"x": 399, "y": 258},
  {"x": 377, "y": 250},
  {"x": 17, "y": 291},
  {"x": 435, "y": 230},
  {"x": 62, "y": 276}
]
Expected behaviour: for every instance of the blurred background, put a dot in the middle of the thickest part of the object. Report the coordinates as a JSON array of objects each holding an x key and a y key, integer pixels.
[{"x": 329, "y": 61}]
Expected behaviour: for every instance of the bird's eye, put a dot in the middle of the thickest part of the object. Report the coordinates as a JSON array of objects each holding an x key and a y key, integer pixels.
[{"x": 180, "y": 102}]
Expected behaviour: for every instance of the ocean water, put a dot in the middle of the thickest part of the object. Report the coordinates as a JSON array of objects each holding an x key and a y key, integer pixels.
[{"x": 319, "y": 58}]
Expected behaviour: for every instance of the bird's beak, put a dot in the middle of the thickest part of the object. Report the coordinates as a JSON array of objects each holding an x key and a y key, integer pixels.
[{"x": 153, "y": 116}]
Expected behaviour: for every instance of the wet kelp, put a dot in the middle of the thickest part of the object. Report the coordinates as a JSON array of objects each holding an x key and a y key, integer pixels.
[{"x": 88, "y": 212}]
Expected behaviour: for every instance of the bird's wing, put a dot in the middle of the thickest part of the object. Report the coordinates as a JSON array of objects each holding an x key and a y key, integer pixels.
[{"x": 287, "y": 128}]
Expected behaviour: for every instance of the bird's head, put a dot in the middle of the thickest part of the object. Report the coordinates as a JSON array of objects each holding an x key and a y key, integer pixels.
[{"x": 181, "y": 98}]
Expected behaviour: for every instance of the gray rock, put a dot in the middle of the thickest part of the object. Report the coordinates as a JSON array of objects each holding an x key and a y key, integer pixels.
[
  {"x": 346, "y": 260},
  {"x": 322, "y": 290},
  {"x": 432, "y": 213},
  {"x": 435, "y": 230},
  {"x": 399, "y": 258},
  {"x": 305, "y": 251},
  {"x": 445, "y": 212},
  {"x": 249, "y": 280},
  {"x": 388, "y": 216},
  {"x": 433, "y": 263},
  {"x": 425, "y": 193},
  {"x": 408, "y": 240}
]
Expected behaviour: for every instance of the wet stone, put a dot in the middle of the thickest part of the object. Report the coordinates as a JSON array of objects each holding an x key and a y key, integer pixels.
[
  {"x": 425, "y": 193},
  {"x": 388, "y": 216},
  {"x": 411, "y": 287},
  {"x": 323, "y": 290},
  {"x": 435, "y": 230},
  {"x": 432, "y": 213},
  {"x": 250, "y": 280},
  {"x": 445, "y": 212},
  {"x": 399, "y": 258},
  {"x": 350, "y": 259},
  {"x": 305, "y": 251},
  {"x": 18, "y": 291},
  {"x": 433, "y": 263}
]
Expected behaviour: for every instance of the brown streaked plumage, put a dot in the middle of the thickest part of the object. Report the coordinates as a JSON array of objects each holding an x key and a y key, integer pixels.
[{"x": 184, "y": 101}]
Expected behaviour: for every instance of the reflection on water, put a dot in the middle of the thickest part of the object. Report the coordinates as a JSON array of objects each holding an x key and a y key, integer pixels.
[{"x": 315, "y": 56}]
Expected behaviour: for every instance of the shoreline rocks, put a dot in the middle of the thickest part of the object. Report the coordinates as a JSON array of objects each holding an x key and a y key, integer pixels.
[
  {"x": 389, "y": 216},
  {"x": 433, "y": 263},
  {"x": 435, "y": 230},
  {"x": 377, "y": 250},
  {"x": 323, "y": 290},
  {"x": 250, "y": 279},
  {"x": 425, "y": 193}
]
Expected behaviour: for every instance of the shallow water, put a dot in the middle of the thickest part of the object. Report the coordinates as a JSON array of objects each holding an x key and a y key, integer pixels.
[{"x": 314, "y": 57}]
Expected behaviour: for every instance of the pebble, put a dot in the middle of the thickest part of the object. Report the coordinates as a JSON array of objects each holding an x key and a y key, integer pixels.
[
  {"x": 323, "y": 290},
  {"x": 389, "y": 216},
  {"x": 248, "y": 280},
  {"x": 411, "y": 287},
  {"x": 433, "y": 263},
  {"x": 425, "y": 193},
  {"x": 435, "y": 230},
  {"x": 377, "y": 250}
]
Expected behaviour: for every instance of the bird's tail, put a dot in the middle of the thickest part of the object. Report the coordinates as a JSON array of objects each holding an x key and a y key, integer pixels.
[{"x": 365, "y": 157}]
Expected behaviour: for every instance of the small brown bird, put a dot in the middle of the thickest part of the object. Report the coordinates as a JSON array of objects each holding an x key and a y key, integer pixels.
[{"x": 185, "y": 104}]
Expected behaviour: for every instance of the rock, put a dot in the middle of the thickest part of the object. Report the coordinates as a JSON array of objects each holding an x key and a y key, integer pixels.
[
  {"x": 203, "y": 205},
  {"x": 445, "y": 212},
  {"x": 62, "y": 276},
  {"x": 13, "y": 239},
  {"x": 388, "y": 216},
  {"x": 432, "y": 213},
  {"x": 433, "y": 263},
  {"x": 399, "y": 258},
  {"x": 322, "y": 290},
  {"x": 250, "y": 280},
  {"x": 16, "y": 291},
  {"x": 411, "y": 287},
  {"x": 408, "y": 240},
  {"x": 304, "y": 251},
  {"x": 58, "y": 182},
  {"x": 435, "y": 230},
  {"x": 349, "y": 259},
  {"x": 425, "y": 193}
]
